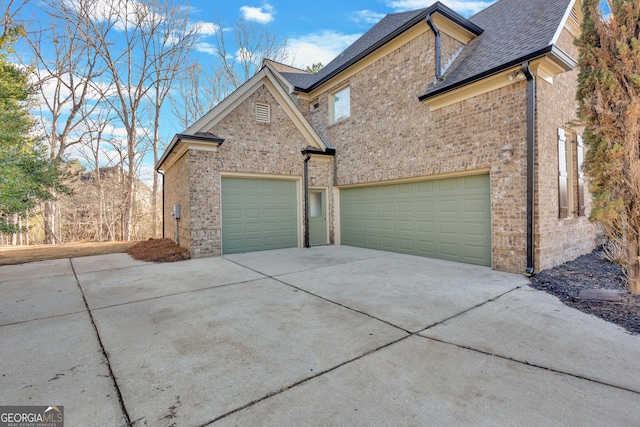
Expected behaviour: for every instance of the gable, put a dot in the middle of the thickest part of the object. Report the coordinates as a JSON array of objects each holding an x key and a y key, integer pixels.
[
  {"x": 263, "y": 79},
  {"x": 516, "y": 31}
]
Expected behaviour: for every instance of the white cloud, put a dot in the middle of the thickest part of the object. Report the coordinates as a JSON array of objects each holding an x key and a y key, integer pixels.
[
  {"x": 368, "y": 16},
  {"x": 463, "y": 7},
  {"x": 204, "y": 47},
  {"x": 319, "y": 47},
  {"x": 263, "y": 15},
  {"x": 112, "y": 11},
  {"x": 205, "y": 28}
]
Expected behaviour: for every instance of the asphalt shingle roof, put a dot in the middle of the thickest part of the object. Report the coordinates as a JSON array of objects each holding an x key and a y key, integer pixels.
[
  {"x": 509, "y": 31},
  {"x": 513, "y": 30},
  {"x": 388, "y": 28}
]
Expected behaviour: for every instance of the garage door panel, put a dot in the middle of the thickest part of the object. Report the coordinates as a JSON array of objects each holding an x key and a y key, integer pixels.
[
  {"x": 447, "y": 218},
  {"x": 426, "y": 247},
  {"x": 258, "y": 214},
  {"x": 405, "y": 207},
  {"x": 425, "y": 226},
  {"x": 424, "y": 187},
  {"x": 388, "y": 225},
  {"x": 405, "y": 225},
  {"x": 448, "y": 207},
  {"x": 450, "y": 228},
  {"x": 446, "y": 185}
]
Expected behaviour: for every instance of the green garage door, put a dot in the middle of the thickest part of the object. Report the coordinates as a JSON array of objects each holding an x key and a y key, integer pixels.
[
  {"x": 258, "y": 214},
  {"x": 448, "y": 218}
]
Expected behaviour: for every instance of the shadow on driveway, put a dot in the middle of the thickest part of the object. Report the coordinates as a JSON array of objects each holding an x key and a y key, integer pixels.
[{"x": 331, "y": 335}]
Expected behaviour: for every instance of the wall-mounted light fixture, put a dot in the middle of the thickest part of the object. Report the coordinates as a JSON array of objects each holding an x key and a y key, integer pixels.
[{"x": 507, "y": 151}]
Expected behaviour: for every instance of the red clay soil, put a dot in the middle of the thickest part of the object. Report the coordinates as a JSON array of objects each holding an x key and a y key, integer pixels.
[{"x": 158, "y": 250}]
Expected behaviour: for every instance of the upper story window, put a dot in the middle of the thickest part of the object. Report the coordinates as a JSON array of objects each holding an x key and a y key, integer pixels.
[{"x": 341, "y": 105}]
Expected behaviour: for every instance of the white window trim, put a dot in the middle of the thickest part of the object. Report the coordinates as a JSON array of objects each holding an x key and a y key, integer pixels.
[{"x": 332, "y": 118}]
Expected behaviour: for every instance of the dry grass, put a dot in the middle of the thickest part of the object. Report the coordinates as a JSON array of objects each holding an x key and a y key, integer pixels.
[{"x": 22, "y": 254}]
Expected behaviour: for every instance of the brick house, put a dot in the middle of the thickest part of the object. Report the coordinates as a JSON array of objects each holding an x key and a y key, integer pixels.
[{"x": 432, "y": 134}]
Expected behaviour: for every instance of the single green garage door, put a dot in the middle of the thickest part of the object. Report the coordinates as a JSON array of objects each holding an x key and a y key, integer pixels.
[
  {"x": 258, "y": 214},
  {"x": 447, "y": 218}
]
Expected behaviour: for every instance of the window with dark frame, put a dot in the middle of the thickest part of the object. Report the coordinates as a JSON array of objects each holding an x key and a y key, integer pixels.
[{"x": 571, "y": 180}]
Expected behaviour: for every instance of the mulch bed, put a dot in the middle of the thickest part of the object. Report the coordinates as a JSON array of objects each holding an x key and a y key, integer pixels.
[
  {"x": 158, "y": 250},
  {"x": 592, "y": 271}
]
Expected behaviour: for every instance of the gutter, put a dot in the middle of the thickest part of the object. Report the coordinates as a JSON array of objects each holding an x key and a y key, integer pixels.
[
  {"x": 162, "y": 173},
  {"x": 555, "y": 53},
  {"x": 531, "y": 135},
  {"x": 306, "y": 200},
  {"x": 330, "y": 151}
]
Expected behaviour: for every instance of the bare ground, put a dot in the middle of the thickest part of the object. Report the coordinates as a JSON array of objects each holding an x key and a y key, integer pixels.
[
  {"x": 592, "y": 271},
  {"x": 154, "y": 250}
]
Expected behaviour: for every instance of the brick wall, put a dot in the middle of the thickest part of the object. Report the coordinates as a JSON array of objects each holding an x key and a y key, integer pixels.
[
  {"x": 558, "y": 240},
  {"x": 249, "y": 148},
  {"x": 391, "y": 135},
  {"x": 176, "y": 191}
]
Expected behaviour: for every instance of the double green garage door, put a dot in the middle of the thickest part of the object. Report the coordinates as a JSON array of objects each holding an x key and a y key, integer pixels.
[{"x": 447, "y": 218}]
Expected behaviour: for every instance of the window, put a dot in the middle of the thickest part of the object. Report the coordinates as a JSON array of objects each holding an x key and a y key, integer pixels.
[
  {"x": 263, "y": 113},
  {"x": 571, "y": 180},
  {"x": 341, "y": 105}
]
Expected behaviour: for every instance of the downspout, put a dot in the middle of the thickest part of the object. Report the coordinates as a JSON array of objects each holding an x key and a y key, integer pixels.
[
  {"x": 436, "y": 32},
  {"x": 531, "y": 129},
  {"x": 306, "y": 200},
  {"x": 162, "y": 173}
]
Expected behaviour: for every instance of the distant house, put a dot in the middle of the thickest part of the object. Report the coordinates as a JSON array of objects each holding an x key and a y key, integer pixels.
[{"x": 432, "y": 135}]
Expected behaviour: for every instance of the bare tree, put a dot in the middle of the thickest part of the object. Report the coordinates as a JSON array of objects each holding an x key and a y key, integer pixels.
[
  {"x": 240, "y": 51},
  {"x": 135, "y": 41},
  {"x": 170, "y": 49},
  {"x": 198, "y": 91},
  {"x": 242, "y": 57},
  {"x": 66, "y": 69}
]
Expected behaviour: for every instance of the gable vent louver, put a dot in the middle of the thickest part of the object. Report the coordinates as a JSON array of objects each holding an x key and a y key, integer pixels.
[
  {"x": 263, "y": 113},
  {"x": 574, "y": 16}
]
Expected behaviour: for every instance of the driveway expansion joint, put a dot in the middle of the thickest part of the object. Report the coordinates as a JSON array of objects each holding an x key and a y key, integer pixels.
[
  {"x": 470, "y": 309},
  {"x": 123, "y": 408},
  {"x": 266, "y": 276},
  {"x": 304, "y": 380},
  {"x": 533, "y": 365}
]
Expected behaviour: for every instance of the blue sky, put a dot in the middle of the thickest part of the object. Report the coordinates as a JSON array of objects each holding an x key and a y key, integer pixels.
[{"x": 315, "y": 32}]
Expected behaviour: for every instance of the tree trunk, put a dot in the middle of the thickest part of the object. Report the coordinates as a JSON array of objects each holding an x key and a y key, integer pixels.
[
  {"x": 50, "y": 222},
  {"x": 128, "y": 206},
  {"x": 13, "y": 220}
]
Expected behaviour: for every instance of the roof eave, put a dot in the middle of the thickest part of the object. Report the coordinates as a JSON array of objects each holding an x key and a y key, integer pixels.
[
  {"x": 436, "y": 7},
  {"x": 561, "y": 57},
  {"x": 181, "y": 137}
]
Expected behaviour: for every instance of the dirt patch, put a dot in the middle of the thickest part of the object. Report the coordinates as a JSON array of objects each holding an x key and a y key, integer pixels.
[
  {"x": 153, "y": 250},
  {"x": 592, "y": 271},
  {"x": 23, "y": 254},
  {"x": 158, "y": 250}
]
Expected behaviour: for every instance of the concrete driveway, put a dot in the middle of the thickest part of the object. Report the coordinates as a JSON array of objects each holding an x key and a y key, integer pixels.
[{"x": 331, "y": 335}]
